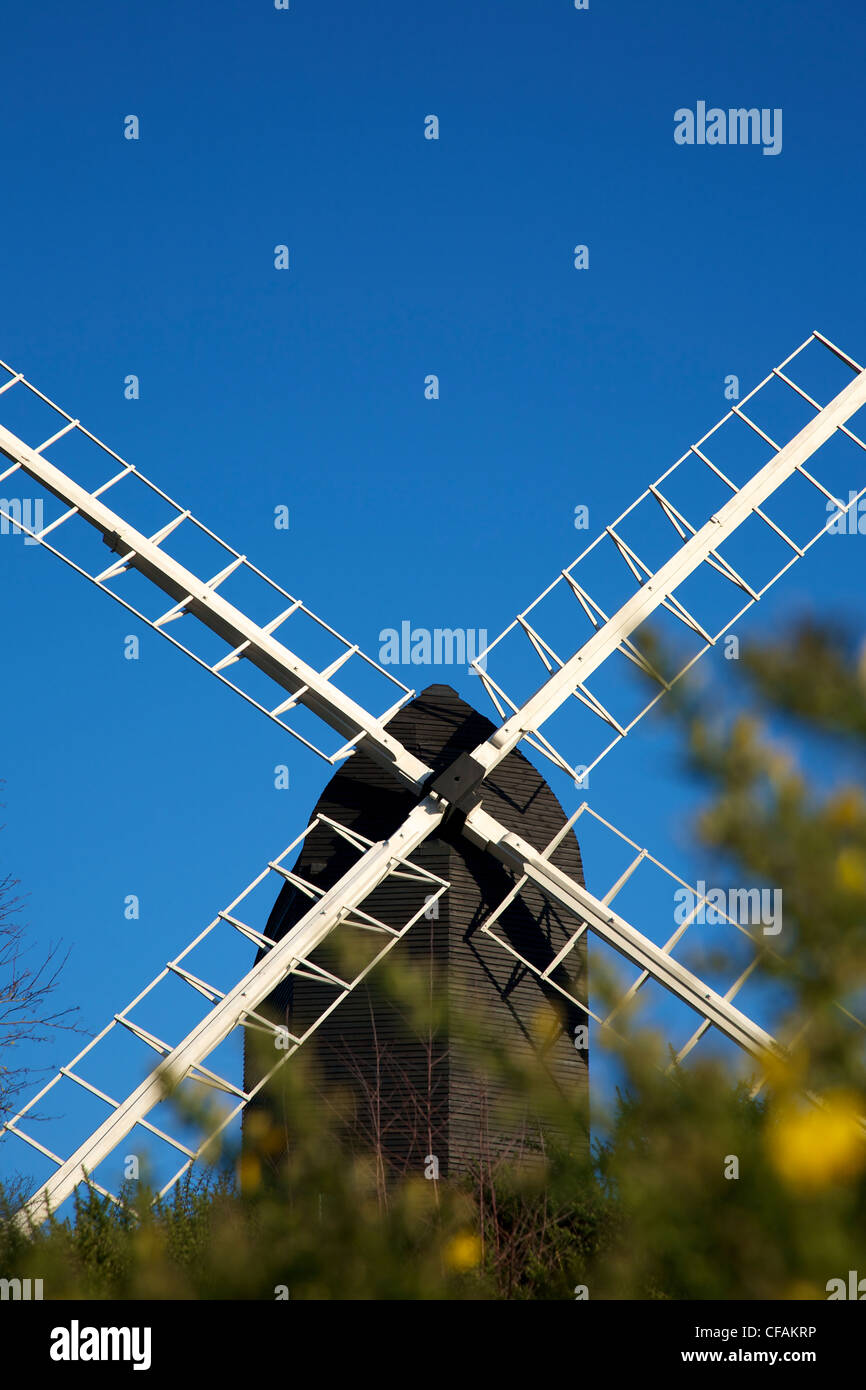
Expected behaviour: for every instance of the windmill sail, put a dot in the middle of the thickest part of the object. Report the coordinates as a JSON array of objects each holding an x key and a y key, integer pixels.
[
  {"x": 686, "y": 520},
  {"x": 169, "y": 556},
  {"x": 340, "y": 908},
  {"x": 460, "y": 786}
]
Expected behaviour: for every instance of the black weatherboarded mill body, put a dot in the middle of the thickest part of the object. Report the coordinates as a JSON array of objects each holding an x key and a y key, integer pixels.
[{"x": 411, "y": 1094}]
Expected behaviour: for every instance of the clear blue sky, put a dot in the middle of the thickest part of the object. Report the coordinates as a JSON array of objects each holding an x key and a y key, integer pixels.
[{"x": 306, "y": 387}]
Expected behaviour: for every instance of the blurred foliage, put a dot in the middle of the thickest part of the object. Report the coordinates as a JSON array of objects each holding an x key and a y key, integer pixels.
[{"x": 704, "y": 1186}]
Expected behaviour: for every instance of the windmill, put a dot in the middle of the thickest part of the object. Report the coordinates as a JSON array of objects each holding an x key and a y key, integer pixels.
[
  {"x": 742, "y": 499},
  {"x": 415, "y": 1093}
]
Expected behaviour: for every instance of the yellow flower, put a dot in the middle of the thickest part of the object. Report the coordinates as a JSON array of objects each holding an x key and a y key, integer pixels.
[
  {"x": 463, "y": 1251},
  {"x": 256, "y": 1124},
  {"x": 262, "y": 1131},
  {"x": 846, "y": 808},
  {"x": 545, "y": 1025},
  {"x": 851, "y": 871},
  {"x": 803, "y": 1290},
  {"x": 811, "y": 1149},
  {"x": 249, "y": 1172}
]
